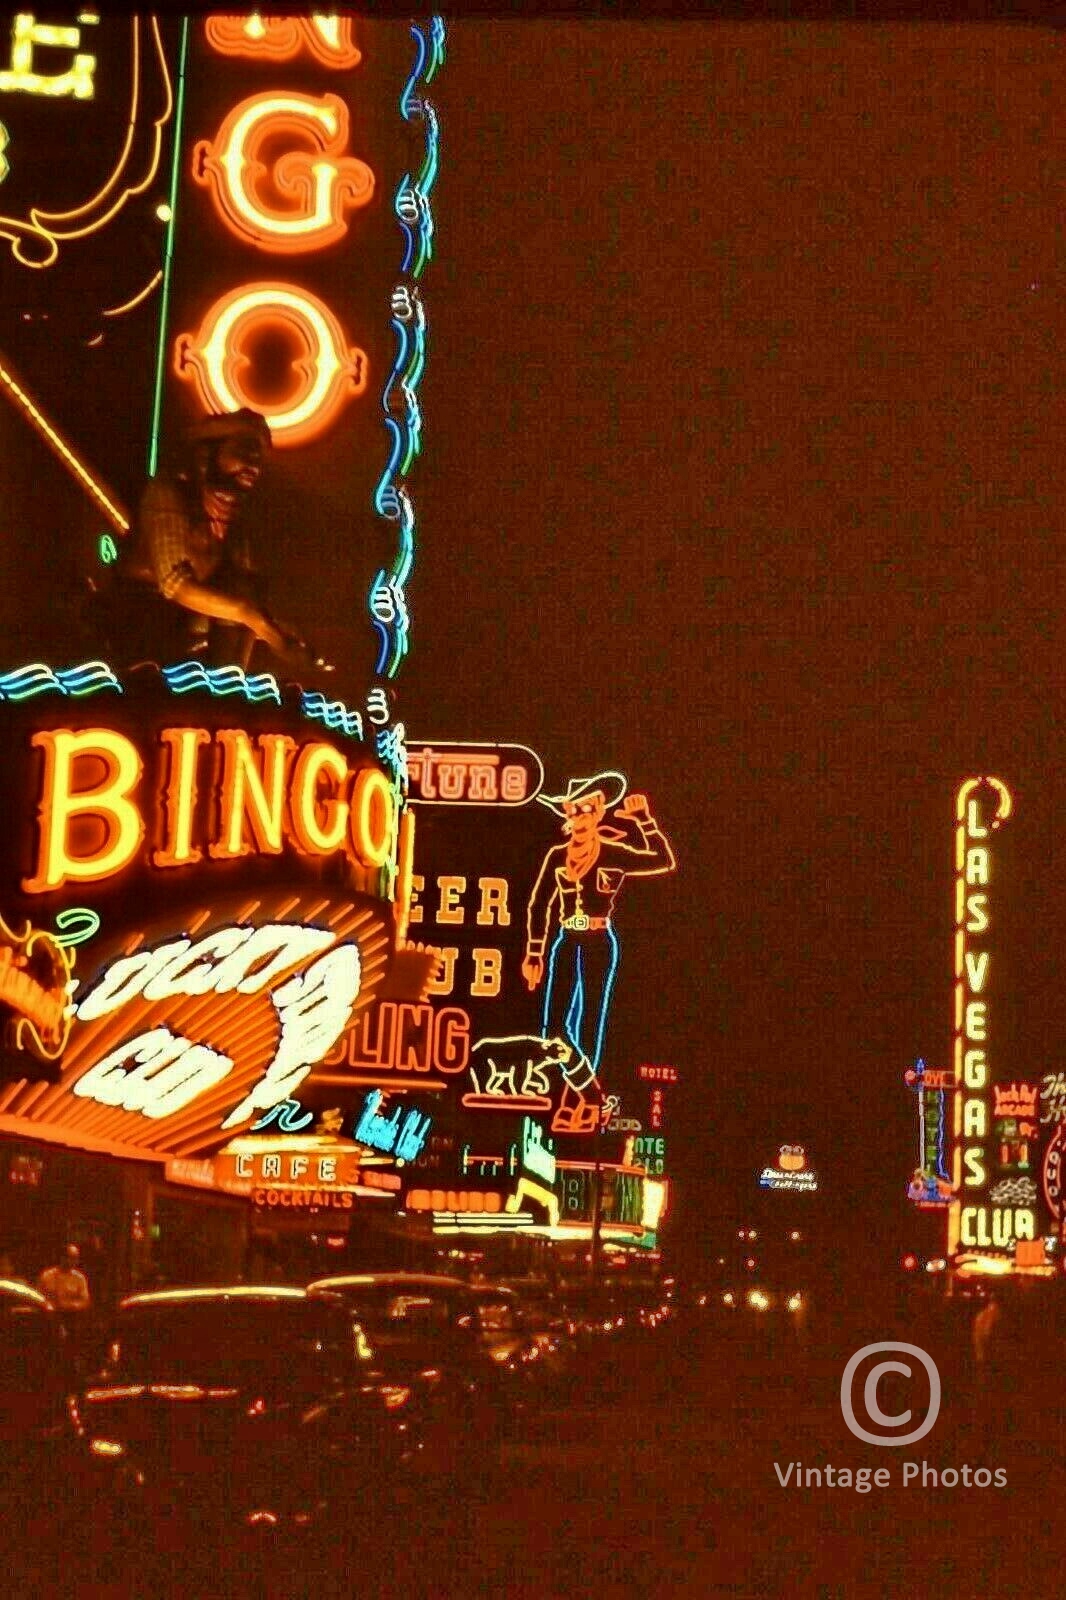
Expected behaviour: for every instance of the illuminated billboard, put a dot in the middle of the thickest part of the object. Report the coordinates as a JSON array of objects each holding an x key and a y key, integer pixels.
[
  {"x": 995, "y": 1123},
  {"x": 524, "y": 922},
  {"x": 202, "y": 216},
  {"x": 198, "y": 900}
]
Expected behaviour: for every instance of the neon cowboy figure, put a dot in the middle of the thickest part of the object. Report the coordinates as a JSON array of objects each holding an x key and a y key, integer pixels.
[{"x": 578, "y": 883}]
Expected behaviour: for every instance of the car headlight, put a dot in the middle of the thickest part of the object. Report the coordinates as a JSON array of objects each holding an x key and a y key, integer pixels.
[
  {"x": 759, "y": 1300},
  {"x": 729, "y": 1299},
  {"x": 107, "y": 1447},
  {"x": 795, "y": 1301}
]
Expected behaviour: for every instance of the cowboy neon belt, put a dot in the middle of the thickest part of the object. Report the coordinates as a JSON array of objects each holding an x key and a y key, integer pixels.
[{"x": 583, "y": 924}]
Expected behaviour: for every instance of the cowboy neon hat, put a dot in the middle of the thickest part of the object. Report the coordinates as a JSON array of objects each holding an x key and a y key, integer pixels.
[{"x": 612, "y": 785}]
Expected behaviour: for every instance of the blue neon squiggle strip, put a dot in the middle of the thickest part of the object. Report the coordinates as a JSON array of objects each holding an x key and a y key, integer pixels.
[
  {"x": 409, "y": 106},
  {"x": 37, "y": 678},
  {"x": 186, "y": 676},
  {"x": 386, "y": 600},
  {"x": 334, "y": 714}
]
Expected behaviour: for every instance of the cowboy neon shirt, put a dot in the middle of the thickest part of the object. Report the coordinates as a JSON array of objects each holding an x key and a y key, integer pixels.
[{"x": 595, "y": 893}]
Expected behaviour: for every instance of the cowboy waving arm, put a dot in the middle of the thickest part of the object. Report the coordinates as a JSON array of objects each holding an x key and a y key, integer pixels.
[
  {"x": 538, "y": 917},
  {"x": 655, "y": 849}
]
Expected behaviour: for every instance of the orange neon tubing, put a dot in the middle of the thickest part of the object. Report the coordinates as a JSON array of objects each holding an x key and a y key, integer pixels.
[
  {"x": 321, "y": 184},
  {"x": 49, "y": 225},
  {"x": 328, "y": 373},
  {"x": 281, "y": 38}
]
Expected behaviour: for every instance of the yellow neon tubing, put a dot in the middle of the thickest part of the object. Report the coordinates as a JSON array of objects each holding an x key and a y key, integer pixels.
[{"x": 113, "y": 513}]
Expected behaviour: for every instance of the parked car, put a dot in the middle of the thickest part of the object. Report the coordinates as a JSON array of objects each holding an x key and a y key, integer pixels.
[
  {"x": 531, "y": 1336},
  {"x": 243, "y": 1409},
  {"x": 424, "y": 1332},
  {"x": 56, "y": 1492}
]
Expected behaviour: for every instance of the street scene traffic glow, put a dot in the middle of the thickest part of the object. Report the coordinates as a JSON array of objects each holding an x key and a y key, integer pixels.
[{"x": 530, "y": 693}]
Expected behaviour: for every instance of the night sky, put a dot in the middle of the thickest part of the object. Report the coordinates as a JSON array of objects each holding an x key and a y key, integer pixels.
[{"x": 742, "y": 473}]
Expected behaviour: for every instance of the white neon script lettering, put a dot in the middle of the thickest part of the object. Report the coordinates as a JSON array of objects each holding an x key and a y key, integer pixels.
[
  {"x": 180, "y": 967},
  {"x": 156, "y": 1073},
  {"x": 313, "y": 1008}
]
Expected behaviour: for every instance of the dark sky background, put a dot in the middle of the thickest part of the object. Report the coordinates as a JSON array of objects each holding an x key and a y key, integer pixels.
[{"x": 743, "y": 470}]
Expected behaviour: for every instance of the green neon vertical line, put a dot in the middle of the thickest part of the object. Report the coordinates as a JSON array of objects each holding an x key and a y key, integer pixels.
[{"x": 168, "y": 257}]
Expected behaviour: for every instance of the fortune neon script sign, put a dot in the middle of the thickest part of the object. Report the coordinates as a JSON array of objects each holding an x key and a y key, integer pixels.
[{"x": 983, "y": 806}]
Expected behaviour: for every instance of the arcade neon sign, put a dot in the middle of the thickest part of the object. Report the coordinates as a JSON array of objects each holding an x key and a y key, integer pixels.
[{"x": 983, "y": 805}]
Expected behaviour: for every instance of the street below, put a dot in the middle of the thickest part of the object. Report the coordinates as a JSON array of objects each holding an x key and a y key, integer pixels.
[{"x": 658, "y": 1478}]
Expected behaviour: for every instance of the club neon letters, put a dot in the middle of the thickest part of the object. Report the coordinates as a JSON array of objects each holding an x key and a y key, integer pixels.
[
  {"x": 982, "y": 806},
  {"x": 271, "y": 793}
]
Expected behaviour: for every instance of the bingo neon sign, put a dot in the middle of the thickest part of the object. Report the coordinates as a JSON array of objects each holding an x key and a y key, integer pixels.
[{"x": 297, "y": 205}]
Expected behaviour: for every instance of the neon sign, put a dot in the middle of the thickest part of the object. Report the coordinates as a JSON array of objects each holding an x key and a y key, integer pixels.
[
  {"x": 402, "y": 1135},
  {"x": 930, "y": 1187},
  {"x": 402, "y": 1037},
  {"x": 452, "y": 1200},
  {"x": 321, "y": 183},
  {"x": 26, "y": 35},
  {"x": 158, "y": 1072},
  {"x": 791, "y": 1172},
  {"x": 652, "y": 1074},
  {"x": 305, "y": 207},
  {"x": 325, "y": 371},
  {"x": 271, "y": 794},
  {"x": 1015, "y": 1100},
  {"x": 288, "y": 1115},
  {"x": 35, "y": 992},
  {"x": 178, "y": 1040},
  {"x": 37, "y": 234},
  {"x": 572, "y": 904},
  {"x": 1054, "y": 1173},
  {"x": 649, "y": 1152},
  {"x": 537, "y": 1155},
  {"x": 1053, "y": 1097},
  {"x": 473, "y": 774},
  {"x": 982, "y": 806},
  {"x": 328, "y": 39}
]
